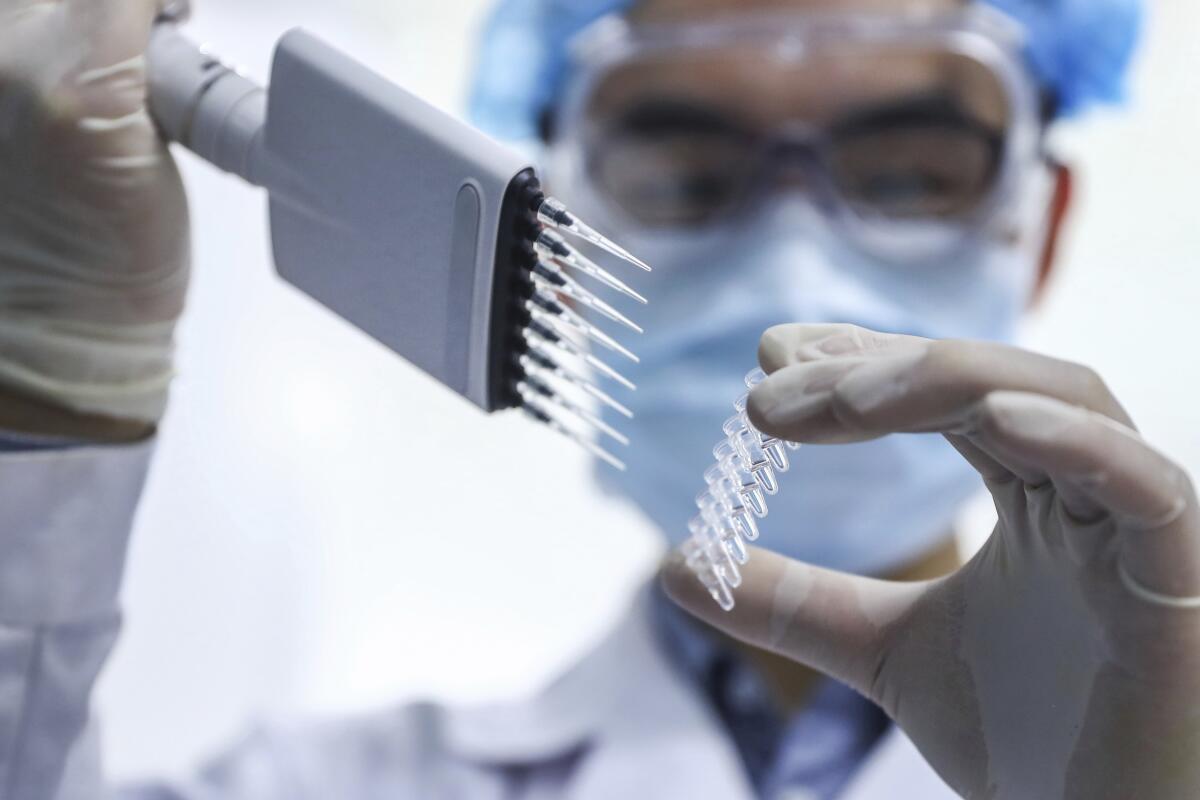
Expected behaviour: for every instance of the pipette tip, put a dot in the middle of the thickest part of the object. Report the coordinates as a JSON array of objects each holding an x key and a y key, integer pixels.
[
  {"x": 557, "y": 249},
  {"x": 543, "y": 306},
  {"x": 532, "y": 387},
  {"x": 584, "y": 442},
  {"x": 553, "y": 211},
  {"x": 537, "y": 361},
  {"x": 557, "y": 338},
  {"x": 550, "y": 278},
  {"x": 541, "y": 337}
]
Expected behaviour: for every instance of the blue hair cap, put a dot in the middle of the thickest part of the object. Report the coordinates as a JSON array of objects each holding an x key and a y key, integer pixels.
[
  {"x": 1079, "y": 49},
  {"x": 523, "y": 60}
]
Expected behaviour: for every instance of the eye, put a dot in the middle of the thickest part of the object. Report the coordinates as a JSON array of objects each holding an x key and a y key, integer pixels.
[
  {"x": 670, "y": 162},
  {"x": 919, "y": 159}
]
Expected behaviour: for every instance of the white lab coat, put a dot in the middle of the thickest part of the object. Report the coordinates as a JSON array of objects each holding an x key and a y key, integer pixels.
[{"x": 621, "y": 724}]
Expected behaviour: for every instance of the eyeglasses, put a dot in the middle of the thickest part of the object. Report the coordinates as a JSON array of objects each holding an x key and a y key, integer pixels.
[{"x": 891, "y": 124}]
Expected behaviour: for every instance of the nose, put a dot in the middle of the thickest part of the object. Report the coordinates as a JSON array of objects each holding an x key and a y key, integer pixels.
[
  {"x": 791, "y": 176},
  {"x": 792, "y": 162}
]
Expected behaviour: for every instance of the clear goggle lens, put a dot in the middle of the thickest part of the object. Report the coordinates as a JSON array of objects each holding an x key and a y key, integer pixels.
[{"x": 889, "y": 131}]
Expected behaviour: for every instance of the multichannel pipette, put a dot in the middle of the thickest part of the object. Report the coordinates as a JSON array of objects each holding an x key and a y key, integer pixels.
[{"x": 409, "y": 224}]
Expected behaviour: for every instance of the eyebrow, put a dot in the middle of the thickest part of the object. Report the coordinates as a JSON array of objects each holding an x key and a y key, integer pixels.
[
  {"x": 924, "y": 107},
  {"x": 651, "y": 114}
]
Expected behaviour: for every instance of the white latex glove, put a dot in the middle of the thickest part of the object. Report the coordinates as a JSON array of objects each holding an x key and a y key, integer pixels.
[
  {"x": 1064, "y": 660},
  {"x": 93, "y": 219}
]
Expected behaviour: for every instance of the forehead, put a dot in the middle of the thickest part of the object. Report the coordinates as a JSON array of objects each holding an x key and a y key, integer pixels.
[
  {"x": 749, "y": 83},
  {"x": 689, "y": 10}
]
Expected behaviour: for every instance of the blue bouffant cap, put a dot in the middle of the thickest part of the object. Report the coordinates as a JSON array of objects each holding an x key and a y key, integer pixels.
[{"x": 1079, "y": 49}]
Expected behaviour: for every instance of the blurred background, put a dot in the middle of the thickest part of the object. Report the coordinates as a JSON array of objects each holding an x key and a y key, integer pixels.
[{"x": 328, "y": 531}]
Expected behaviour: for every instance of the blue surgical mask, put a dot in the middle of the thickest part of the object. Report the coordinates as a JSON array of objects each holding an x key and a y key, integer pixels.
[{"x": 863, "y": 507}]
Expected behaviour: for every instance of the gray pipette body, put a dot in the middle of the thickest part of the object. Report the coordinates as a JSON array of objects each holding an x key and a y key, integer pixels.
[
  {"x": 409, "y": 224},
  {"x": 382, "y": 208}
]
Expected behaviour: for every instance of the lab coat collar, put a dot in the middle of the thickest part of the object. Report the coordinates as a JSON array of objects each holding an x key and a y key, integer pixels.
[
  {"x": 627, "y": 709},
  {"x": 635, "y": 722}
]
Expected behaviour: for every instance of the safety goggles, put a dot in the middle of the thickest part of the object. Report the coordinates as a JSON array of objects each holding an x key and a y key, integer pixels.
[{"x": 909, "y": 132}]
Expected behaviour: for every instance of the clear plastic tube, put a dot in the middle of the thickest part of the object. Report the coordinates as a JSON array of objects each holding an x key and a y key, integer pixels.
[
  {"x": 742, "y": 479},
  {"x": 697, "y": 558},
  {"x": 721, "y": 487},
  {"x": 753, "y": 378},
  {"x": 746, "y": 469},
  {"x": 724, "y": 565}
]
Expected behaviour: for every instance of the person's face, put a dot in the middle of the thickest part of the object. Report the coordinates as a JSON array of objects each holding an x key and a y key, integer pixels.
[
  {"x": 771, "y": 160},
  {"x": 676, "y": 137}
]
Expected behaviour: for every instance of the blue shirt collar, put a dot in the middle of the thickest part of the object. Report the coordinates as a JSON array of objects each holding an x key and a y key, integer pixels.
[{"x": 818, "y": 750}]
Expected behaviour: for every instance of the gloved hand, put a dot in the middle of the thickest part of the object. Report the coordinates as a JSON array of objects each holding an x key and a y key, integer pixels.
[
  {"x": 93, "y": 219},
  {"x": 1063, "y": 661}
]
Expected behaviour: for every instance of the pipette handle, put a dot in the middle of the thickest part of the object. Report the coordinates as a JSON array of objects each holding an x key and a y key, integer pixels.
[{"x": 206, "y": 106}]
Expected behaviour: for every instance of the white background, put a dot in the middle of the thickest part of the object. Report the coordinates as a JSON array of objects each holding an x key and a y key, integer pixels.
[{"x": 327, "y": 530}]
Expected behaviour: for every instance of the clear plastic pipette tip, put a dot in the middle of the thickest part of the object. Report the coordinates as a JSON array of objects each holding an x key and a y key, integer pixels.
[
  {"x": 543, "y": 364},
  {"x": 540, "y": 395},
  {"x": 584, "y": 442},
  {"x": 553, "y": 212},
  {"x": 538, "y": 392},
  {"x": 556, "y": 312},
  {"x": 557, "y": 248},
  {"x": 566, "y": 345},
  {"x": 573, "y": 290},
  {"x": 557, "y": 340},
  {"x": 596, "y": 333}
]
